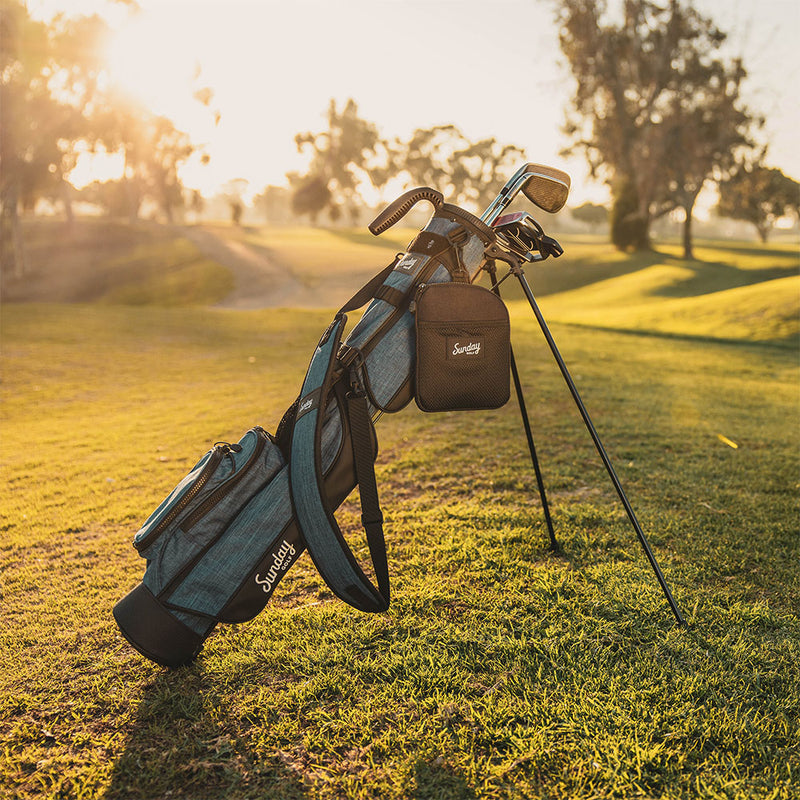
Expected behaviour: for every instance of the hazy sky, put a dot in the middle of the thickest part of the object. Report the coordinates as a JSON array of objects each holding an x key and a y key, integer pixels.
[{"x": 492, "y": 67}]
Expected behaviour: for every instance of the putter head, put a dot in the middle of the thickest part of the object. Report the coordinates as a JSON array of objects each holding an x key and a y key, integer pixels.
[{"x": 545, "y": 187}]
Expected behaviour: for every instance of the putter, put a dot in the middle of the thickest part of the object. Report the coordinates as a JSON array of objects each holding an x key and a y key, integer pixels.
[{"x": 524, "y": 240}]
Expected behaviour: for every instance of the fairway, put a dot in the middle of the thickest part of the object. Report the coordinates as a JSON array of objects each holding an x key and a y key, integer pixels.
[{"x": 502, "y": 670}]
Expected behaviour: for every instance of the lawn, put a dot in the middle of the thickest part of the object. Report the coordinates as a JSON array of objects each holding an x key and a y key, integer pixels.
[{"x": 502, "y": 670}]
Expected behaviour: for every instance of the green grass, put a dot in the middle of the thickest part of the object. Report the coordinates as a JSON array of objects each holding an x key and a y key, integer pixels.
[
  {"x": 108, "y": 261},
  {"x": 502, "y": 669},
  {"x": 737, "y": 291},
  {"x": 316, "y": 256}
]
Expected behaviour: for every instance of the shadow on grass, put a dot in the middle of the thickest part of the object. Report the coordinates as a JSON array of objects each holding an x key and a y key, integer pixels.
[
  {"x": 439, "y": 781},
  {"x": 709, "y": 277},
  {"x": 181, "y": 744}
]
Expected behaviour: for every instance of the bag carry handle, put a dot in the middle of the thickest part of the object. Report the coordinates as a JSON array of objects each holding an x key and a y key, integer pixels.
[
  {"x": 326, "y": 544},
  {"x": 397, "y": 209}
]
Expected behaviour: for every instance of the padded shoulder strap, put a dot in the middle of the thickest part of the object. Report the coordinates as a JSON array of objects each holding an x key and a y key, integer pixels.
[{"x": 326, "y": 544}]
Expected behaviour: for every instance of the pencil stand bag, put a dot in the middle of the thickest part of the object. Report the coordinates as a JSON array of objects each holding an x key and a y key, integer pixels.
[
  {"x": 463, "y": 346},
  {"x": 218, "y": 545}
]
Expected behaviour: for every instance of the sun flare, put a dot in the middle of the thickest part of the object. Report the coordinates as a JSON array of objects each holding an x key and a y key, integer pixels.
[{"x": 148, "y": 62}]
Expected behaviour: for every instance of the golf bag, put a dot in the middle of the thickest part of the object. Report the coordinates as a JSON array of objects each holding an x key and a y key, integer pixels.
[{"x": 218, "y": 545}]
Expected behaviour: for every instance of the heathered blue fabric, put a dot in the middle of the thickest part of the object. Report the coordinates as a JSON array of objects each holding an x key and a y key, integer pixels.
[
  {"x": 226, "y": 550},
  {"x": 311, "y": 514},
  {"x": 174, "y": 547},
  {"x": 177, "y": 494}
]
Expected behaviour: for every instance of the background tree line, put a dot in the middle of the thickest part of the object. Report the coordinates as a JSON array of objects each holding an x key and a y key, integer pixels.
[
  {"x": 657, "y": 111},
  {"x": 56, "y": 103}
]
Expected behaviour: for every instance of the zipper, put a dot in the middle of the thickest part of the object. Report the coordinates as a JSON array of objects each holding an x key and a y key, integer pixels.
[
  {"x": 412, "y": 306},
  {"x": 208, "y": 470},
  {"x": 220, "y": 450},
  {"x": 226, "y": 487}
]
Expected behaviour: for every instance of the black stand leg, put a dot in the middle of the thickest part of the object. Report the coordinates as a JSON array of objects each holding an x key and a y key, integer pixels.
[
  {"x": 532, "y": 448},
  {"x": 526, "y": 423},
  {"x": 599, "y": 445}
]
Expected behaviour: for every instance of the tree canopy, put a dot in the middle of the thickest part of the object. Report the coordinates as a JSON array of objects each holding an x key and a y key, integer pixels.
[
  {"x": 58, "y": 103},
  {"x": 657, "y": 110},
  {"x": 760, "y": 195},
  {"x": 351, "y": 152}
]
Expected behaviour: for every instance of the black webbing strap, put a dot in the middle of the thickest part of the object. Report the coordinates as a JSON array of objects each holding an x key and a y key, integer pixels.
[
  {"x": 368, "y": 290},
  {"x": 390, "y": 295},
  {"x": 371, "y": 514}
]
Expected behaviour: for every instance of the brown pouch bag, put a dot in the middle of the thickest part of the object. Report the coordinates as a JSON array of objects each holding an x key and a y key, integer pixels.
[{"x": 463, "y": 345}]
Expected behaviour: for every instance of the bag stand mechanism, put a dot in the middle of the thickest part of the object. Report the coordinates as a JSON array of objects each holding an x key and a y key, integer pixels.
[{"x": 547, "y": 246}]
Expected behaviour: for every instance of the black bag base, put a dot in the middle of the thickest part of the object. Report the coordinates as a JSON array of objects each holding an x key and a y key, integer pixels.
[{"x": 153, "y": 631}]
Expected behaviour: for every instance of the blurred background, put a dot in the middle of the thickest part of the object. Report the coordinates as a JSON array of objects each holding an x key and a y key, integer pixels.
[{"x": 674, "y": 119}]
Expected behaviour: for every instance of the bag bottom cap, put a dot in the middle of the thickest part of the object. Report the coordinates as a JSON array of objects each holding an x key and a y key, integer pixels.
[{"x": 153, "y": 631}]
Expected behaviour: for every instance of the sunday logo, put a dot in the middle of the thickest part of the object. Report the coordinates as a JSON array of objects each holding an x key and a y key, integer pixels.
[
  {"x": 281, "y": 561},
  {"x": 408, "y": 264},
  {"x": 465, "y": 348}
]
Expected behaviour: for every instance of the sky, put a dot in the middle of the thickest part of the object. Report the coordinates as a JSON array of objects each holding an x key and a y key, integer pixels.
[{"x": 491, "y": 67}]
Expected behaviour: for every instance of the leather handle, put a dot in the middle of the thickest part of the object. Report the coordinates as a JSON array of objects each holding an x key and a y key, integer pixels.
[{"x": 397, "y": 209}]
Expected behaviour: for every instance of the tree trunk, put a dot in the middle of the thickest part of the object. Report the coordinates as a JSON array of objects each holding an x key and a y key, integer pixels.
[
  {"x": 66, "y": 198},
  {"x": 687, "y": 233},
  {"x": 12, "y": 243}
]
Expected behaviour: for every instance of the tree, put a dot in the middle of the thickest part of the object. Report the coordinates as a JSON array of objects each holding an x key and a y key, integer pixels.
[
  {"x": 467, "y": 173},
  {"x": 342, "y": 156},
  {"x": 591, "y": 214},
  {"x": 760, "y": 195},
  {"x": 656, "y": 110},
  {"x": 274, "y": 204},
  {"x": 234, "y": 191},
  {"x": 28, "y": 158},
  {"x": 311, "y": 196}
]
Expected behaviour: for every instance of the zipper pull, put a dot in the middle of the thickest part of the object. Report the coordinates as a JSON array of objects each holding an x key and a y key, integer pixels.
[
  {"x": 228, "y": 448},
  {"x": 412, "y": 306}
]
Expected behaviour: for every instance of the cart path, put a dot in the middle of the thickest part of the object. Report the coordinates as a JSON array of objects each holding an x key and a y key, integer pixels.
[{"x": 259, "y": 282}]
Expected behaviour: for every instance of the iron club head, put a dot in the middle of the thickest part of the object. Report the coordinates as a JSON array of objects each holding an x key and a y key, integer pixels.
[{"x": 546, "y": 187}]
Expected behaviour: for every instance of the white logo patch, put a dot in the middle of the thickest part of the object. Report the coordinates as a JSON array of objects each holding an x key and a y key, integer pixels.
[{"x": 280, "y": 563}]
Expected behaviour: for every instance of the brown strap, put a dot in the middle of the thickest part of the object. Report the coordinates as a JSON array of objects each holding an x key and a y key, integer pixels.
[{"x": 390, "y": 295}]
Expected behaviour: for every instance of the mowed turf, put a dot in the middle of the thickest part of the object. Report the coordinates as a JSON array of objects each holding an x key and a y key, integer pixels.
[{"x": 502, "y": 669}]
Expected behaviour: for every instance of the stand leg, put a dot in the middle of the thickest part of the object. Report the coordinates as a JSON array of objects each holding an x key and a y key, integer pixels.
[
  {"x": 526, "y": 423},
  {"x": 599, "y": 446},
  {"x": 532, "y": 448}
]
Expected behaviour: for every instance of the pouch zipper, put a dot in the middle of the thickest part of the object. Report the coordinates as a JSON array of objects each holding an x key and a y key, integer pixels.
[
  {"x": 217, "y": 454},
  {"x": 226, "y": 487}
]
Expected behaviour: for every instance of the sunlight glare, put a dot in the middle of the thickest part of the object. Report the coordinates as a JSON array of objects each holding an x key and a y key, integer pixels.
[{"x": 146, "y": 61}]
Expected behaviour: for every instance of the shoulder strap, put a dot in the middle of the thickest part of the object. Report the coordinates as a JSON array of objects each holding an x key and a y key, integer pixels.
[
  {"x": 326, "y": 544},
  {"x": 367, "y": 291}
]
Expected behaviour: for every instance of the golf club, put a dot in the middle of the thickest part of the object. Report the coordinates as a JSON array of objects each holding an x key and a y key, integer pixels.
[
  {"x": 545, "y": 187},
  {"x": 524, "y": 240}
]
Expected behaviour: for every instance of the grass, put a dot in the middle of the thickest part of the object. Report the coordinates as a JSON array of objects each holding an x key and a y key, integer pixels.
[
  {"x": 502, "y": 670},
  {"x": 108, "y": 261},
  {"x": 739, "y": 291}
]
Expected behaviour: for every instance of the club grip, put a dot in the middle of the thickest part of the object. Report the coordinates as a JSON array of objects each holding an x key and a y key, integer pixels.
[{"x": 397, "y": 209}]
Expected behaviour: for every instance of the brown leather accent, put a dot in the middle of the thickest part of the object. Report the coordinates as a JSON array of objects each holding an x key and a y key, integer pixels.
[
  {"x": 463, "y": 348},
  {"x": 390, "y": 295},
  {"x": 428, "y": 244}
]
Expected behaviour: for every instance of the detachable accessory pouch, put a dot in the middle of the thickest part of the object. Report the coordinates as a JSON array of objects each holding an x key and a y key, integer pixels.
[{"x": 463, "y": 346}]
